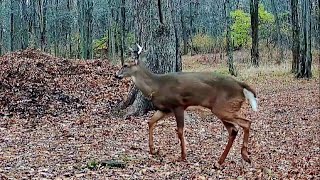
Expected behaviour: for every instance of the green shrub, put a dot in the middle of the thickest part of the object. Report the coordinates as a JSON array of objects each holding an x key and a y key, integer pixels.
[
  {"x": 266, "y": 23},
  {"x": 202, "y": 43},
  {"x": 240, "y": 29},
  {"x": 241, "y": 26}
]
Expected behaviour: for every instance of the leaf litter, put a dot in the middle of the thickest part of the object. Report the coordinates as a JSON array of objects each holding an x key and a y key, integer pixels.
[{"x": 56, "y": 122}]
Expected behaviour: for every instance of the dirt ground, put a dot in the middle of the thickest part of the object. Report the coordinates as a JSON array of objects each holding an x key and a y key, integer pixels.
[{"x": 56, "y": 123}]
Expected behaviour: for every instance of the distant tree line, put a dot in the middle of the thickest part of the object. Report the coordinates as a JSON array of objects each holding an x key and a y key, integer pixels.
[{"x": 106, "y": 28}]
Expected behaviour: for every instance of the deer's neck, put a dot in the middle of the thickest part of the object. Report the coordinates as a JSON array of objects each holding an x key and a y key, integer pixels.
[{"x": 146, "y": 81}]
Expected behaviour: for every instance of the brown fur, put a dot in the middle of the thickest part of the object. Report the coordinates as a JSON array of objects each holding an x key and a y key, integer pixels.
[{"x": 172, "y": 93}]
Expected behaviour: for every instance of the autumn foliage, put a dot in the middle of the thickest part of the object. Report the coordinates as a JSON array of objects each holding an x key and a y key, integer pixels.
[{"x": 56, "y": 122}]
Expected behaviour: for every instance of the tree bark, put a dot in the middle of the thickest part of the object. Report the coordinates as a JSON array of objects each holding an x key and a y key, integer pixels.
[
  {"x": 229, "y": 40},
  {"x": 56, "y": 43},
  {"x": 43, "y": 23},
  {"x": 123, "y": 18},
  {"x": 1, "y": 30},
  {"x": 111, "y": 33},
  {"x": 85, "y": 28},
  {"x": 24, "y": 23},
  {"x": 69, "y": 31},
  {"x": 295, "y": 36},
  {"x": 254, "y": 6},
  {"x": 304, "y": 68},
  {"x": 318, "y": 29},
  {"x": 159, "y": 43},
  {"x": 279, "y": 37},
  {"x": 160, "y": 11},
  {"x": 191, "y": 27},
  {"x": 183, "y": 28},
  {"x": 16, "y": 23}
]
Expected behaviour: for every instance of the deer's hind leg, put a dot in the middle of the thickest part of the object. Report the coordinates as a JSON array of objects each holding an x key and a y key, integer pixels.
[
  {"x": 245, "y": 124},
  {"x": 227, "y": 111},
  {"x": 232, "y": 130}
]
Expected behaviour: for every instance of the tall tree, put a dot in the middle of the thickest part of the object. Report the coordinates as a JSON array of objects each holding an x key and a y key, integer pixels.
[
  {"x": 42, "y": 14},
  {"x": 85, "y": 27},
  {"x": 295, "y": 36},
  {"x": 56, "y": 30},
  {"x": 254, "y": 7},
  {"x": 112, "y": 29},
  {"x": 278, "y": 32},
  {"x": 1, "y": 28},
  {"x": 229, "y": 40},
  {"x": 304, "y": 67},
  {"x": 123, "y": 29},
  {"x": 191, "y": 25},
  {"x": 157, "y": 37},
  {"x": 24, "y": 25},
  {"x": 15, "y": 22},
  {"x": 33, "y": 25},
  {"x": 183, "y": 28},
  {"x": 69, "y": 27},
  {"x": 318, "y": 37}
]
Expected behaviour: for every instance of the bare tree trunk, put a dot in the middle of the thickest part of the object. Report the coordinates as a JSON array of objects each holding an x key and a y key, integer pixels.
[
  {"x": 12, "y": 29},
  {"x": 279, "y": 37},
  {"x": 295, "y": 36},
  {"x": 85, "y": 9},
  {"x": 254, "y": 6},
  {"x": 56, "y": 43},
  {"x": 24, "y": 23},
  {"x": 229, "y": 40},
  {"x": 69, "y": 31},
  {"x": 191, "y": 29},
  {"x": 111, "y": 34},
  {"x": 318, "y": 29},
  {"x": 183, "y": 28},
  {"x": 304, "y": 68},
  {"x": 175, "y": 23},
  {"x": 43, "y": 23},
  {"x": 158, "y": 38},
  {"x": 1, "y": 30},
  {"x": 123, "y": 18}
]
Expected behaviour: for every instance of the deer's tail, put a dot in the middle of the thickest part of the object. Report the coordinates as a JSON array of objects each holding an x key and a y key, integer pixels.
[{"x": 251, "y": 95}]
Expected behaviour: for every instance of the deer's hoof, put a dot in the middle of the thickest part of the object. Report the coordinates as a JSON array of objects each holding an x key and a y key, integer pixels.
[
  {"x": 181, "y": 159},
  {"x": 217, "y": 165},
  {"x": 154, "y": 152},
  {"x": 245, "y": 155}
]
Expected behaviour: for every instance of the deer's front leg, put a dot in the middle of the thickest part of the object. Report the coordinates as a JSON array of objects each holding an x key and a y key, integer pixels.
[
  {"x": 179, "y": 115},
  {"x": 152, "y": 123}
]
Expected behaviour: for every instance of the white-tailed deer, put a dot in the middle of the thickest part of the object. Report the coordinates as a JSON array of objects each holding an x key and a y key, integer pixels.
[{"x": 172, "y": 93}]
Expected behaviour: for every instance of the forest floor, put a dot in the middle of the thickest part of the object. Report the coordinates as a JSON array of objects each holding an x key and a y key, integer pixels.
[{"x": 56, "y": 122}]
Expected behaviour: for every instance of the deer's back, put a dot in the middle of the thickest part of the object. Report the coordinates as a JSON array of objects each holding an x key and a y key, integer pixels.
[{"x": 195, "y": 88}]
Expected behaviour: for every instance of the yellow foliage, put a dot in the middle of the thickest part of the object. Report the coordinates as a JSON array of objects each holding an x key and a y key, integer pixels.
[{"x": 202, "y": 43}]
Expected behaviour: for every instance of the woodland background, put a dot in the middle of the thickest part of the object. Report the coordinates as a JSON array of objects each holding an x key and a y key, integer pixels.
[
  {"x": 105, "y": 28},
  {"x": 64, "y": 115}
]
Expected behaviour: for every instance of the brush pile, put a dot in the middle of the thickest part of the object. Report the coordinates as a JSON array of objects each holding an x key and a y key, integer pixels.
[{"x": 35, "y": 84}]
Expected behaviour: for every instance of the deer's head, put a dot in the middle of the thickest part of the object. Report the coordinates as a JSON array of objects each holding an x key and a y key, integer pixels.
[{"x": 132, "y": 65}]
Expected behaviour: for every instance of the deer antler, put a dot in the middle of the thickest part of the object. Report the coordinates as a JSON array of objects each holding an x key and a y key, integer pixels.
[{"x": 140, "y": 48}]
